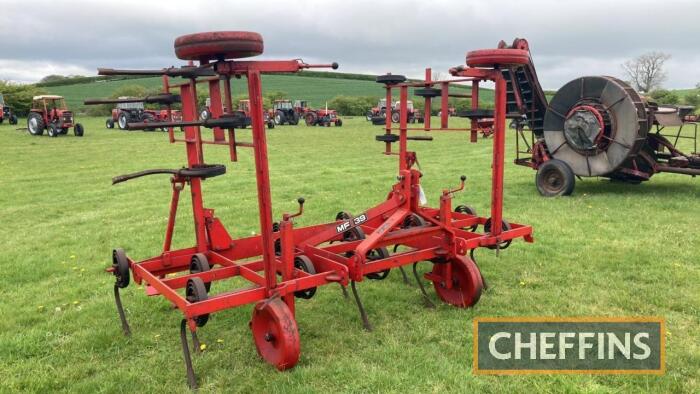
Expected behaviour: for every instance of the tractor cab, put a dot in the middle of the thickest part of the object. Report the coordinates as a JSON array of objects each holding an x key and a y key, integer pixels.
[
  {"x": 282, "y": 105},
  {"x": 409, "y": 105},
  {"x": 301, "y": 105},
  {"x": 244, "y": 106}
]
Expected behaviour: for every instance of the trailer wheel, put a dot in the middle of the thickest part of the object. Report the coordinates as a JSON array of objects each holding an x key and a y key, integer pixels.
[
  {"x": 200, "y": 263},
  {"x": 78, "y": 130},
  {"x": 555, "y": 178},
  {"x": 505, "y": 226},
  {"x": 466, "y": 285},
  {"x": 35, "y": 124},
  {"x": 275, "y": 333},
  {"x": 122, "y": 121},
  {"x": 53, "y": 130},
  {"x": 469, "y": 211},
  {"x": 196, "y": 291},
  {"x": 120, "y": 267},
  {"x": 303, "y": 263},
  {"x": 378, "y": 254}
]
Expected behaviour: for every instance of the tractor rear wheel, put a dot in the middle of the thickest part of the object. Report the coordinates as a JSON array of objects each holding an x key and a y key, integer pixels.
[
  {"x": 555, "y": 178},
  {"x": 78, "y": 130},
  {"x": 295, "y": 119},
  {"x": 310, "y": 118},
  {"x": 466, "y": 286},
  {"x": 122, "y": 121},
  {"x": 53, "y": 130},
  {"x": 35, "y": 124},
  {"x": 279, "y": 117}
]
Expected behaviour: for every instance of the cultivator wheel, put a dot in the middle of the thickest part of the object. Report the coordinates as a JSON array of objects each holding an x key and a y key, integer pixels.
[
  {"x": 303, "y": 263},
  {"x": 466, "y": 209},
  {"x": 200, "y": 263},
  {"x": 505, "y": 226},
  {"x": 196, "y": 291},
  {"x": 466, "y": 286},
  {"x": 275, "y": 333},
  {"x": 219, "y": 45}
]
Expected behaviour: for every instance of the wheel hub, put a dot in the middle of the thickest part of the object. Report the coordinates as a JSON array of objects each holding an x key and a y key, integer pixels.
[{"x": 584, "y": 127}]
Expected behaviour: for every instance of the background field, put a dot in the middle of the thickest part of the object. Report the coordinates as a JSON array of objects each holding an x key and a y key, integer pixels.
[{"x": 609, "y": 250}]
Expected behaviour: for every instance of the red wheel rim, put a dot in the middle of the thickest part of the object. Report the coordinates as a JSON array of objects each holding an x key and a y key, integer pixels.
[
  {"x": 276, "y": 334},
  {"x": 466, "y": 282},
  {"x": 218, "y": 45}
]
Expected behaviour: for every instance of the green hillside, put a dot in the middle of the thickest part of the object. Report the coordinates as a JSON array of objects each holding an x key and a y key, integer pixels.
[{"x": 315, "y": 89}]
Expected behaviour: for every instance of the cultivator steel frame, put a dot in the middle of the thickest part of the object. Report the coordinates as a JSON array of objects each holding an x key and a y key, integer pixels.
[{"x": 284, "y": 262}]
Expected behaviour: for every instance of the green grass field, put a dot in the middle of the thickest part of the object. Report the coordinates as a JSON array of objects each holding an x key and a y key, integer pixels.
[
  {"x": 609, "y": 250},
  {"x": 317, "y": 90}
]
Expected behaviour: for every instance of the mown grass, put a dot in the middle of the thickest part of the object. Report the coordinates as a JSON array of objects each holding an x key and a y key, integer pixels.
[{"x": 609, "y": 250}]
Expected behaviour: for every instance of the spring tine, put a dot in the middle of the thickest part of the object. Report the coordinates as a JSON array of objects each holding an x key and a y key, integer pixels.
[
  {"x": 345, "y": 292},
  {"x": 191, "y": 379},
  {"x": 429, "y": 303},
  {"x": 405, "y": 277},
  {"x": 363, "y": 314},
  {"x": 120, "y": 309}
]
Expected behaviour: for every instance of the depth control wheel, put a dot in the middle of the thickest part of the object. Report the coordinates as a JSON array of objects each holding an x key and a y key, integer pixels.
[
  {"x": 200, "y": 263},
  {"x": 120, "y": 264},
  {"x": 466, "y": 283},
  {"x": 275, "y": 333},
  {"x": 505, "y": 227},
  {"x": 196, "y": 292},
  {"x": 304, "y": 263}
]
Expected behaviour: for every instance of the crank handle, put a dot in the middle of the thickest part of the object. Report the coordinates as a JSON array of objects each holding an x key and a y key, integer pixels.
[
  {"x": 301, "y": 201},
  {"x": 333, "y": 65},
  {"x": 462, "y": 179}
]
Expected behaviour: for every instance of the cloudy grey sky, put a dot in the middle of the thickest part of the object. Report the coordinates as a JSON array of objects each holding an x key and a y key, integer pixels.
[{"x": 567, "y": 38}]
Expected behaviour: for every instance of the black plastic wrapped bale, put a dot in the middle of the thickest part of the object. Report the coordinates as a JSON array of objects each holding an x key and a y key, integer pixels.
[{"x": 597, "y": 125}]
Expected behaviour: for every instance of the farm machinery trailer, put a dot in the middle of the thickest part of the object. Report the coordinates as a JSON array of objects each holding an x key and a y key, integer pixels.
[
  {"x": 285, "y": 262},
  {"x": 594, "y": 126}
]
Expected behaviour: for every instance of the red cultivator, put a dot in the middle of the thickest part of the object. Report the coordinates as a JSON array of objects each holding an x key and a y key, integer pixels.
[{"x": 285, "y": 262}]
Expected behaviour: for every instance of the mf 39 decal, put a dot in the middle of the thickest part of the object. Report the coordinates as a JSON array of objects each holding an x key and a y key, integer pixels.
[{"x": 345, "y": 226}]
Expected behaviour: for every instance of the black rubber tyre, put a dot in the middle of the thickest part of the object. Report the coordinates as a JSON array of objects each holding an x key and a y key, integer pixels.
[
  {"x": 469, "y": 211},
  {"x": 338, "y": 123},
  {"x": 78, "y": 130},
  {"x": 280, "y": 118},
  {"x": 120, "y": 264},
  {"x": 428, "y": 92},
  {"x": 13, "y": 119},
  {"x": 303, "y": 263},
  {"x": 270, "y": 124},
  {"x": 197, "y": 292},
  {"x": 505, "y": 227},
  {"x": 122, "y": 121},
  {"x": 35, "y": 124},
  {"x": 204, "y": 113},
  {"x": 295, "y": 119},
  {"x": 378, "y": 120},
  {"x": 369, "y": 115},
  {"x": 395, "y": 117},
  {"x": 200, "y": 263},
  {"x": 390, "y": 79},
  {"x": 1, "y": 119},
  {"x": 555, "y": 178},
  {"x": 53, "y": 130},
  {"x": 378, "y": 254}
]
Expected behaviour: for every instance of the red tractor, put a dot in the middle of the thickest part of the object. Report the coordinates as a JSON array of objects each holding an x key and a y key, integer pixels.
[
  {"x": 50, "y": 113},
  {"x": 132, "y": 112},
  {"x": 283, "y": 112},
  {"x": 243, "y": 110},
  {"x": 377, "y": 115},
  {"x": 244, "y": 107},
  {"x": 6, "y": 112},
  {"x": 322, "y": 117}
]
